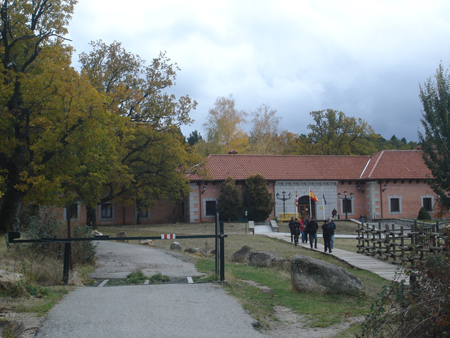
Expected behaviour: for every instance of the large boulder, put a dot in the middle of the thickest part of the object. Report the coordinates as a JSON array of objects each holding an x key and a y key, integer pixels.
[
  {"x": 241, "y": 255},
  {"x": 261, "y": 259},
  {"x": 312, "y": 275},
  {"x": 281, "y": 263}
]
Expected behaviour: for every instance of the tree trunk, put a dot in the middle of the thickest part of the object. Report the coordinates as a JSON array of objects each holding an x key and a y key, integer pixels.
[
  {"x": 10, "y": 210},
  {"x": 91, "y": 220}
]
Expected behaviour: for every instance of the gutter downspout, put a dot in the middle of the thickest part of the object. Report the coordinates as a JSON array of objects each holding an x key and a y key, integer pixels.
[
  {"x": 199, "y": 203},
  {"x": 381, "y": 201}
]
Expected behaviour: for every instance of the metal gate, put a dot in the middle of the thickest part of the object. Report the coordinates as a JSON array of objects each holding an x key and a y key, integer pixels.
[{"x": 14, "y": 237}]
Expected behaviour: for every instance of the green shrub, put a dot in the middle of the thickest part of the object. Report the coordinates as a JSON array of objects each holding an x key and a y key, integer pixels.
[
  {"x": 420, "y": 309},
  {"x": 257, "y": 200},
  {"x": 136, "y": 277},
  {"x": 46, "y": 225},
  {"x": 159, "y": 278},
  {"x": 423, "y": 215},
  {"x": 230, "y": 206}
]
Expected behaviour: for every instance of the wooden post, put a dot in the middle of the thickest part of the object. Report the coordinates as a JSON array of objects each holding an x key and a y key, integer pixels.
[
  {"x": 402, "y": 243},
  {"x": 393, "y": 244}
]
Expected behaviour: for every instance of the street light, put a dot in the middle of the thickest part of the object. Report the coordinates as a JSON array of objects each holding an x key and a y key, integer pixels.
[
  {"x": 284, "y": 199},
  {"x": 345, "y": 201}
]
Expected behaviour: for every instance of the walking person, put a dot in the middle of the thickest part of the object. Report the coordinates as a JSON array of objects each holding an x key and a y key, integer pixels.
[
  {"x": 326, "y": 228},
  {"x": 312, "y": 231},
  {"x": 333, "y": 227},
  {"x": 305, "y": 230},
  {"x": 296, "y": 231},
  {"x": 334, "y": 213},
  {"x": 302, "y": 229},
  {"x": 291, "y": 228}
]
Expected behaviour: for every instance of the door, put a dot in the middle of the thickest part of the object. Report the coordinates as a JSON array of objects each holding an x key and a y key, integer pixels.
[{"x": 303, "y": 206}]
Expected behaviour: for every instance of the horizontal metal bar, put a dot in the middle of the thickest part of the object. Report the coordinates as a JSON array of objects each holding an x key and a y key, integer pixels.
[{"x": 104, "y": 238}]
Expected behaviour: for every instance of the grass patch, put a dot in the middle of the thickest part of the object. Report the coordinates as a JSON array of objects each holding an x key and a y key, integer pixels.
[
  {"x": 322, "y": 310},
  {"x": 137, "y": 277},
  {"x": 40, "y": 304}
]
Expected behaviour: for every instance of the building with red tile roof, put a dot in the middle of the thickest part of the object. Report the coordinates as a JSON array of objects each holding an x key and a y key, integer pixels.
[{"x": 389, "y": 184}]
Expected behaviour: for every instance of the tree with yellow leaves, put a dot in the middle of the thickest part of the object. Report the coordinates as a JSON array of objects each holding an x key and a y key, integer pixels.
[{"x": 223, "y": 128}]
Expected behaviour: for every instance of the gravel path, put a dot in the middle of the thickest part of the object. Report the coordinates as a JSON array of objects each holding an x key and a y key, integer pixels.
[{"x": 170, "y": 310}]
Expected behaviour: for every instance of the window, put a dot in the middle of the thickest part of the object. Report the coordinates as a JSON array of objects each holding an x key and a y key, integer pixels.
[
  {"x": 347, "y": 206},
  {"x": 210, "y": 208},
  {"x": 145, "y": 214},
  {"x": 427, "y": 203},
  {"x": 73, "y": 212},
  {"x": 395, "y": 204},
  {"x": 106, "y": 211}
]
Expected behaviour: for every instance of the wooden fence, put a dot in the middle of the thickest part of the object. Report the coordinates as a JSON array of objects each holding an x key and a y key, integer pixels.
[{"x": 401, "y": 244}]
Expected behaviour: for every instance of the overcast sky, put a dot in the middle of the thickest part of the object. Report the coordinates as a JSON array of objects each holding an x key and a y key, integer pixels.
[{"x": 365, "y": 58}]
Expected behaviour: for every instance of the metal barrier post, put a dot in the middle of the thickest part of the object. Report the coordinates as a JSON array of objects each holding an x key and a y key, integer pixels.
[
  {"x": 216, "y": 270},
  {"x": 66, "y": 262},
  {"x": 222, "y": 254}
]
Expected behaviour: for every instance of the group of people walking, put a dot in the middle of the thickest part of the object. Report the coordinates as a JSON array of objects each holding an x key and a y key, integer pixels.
[{"x": 307, "y": 227}]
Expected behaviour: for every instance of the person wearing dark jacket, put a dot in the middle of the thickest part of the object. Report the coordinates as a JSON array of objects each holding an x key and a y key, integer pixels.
[
  {"x": 333, "y": 228},
  {"x": 305, "y": 229},
  {"x": 312, "y": 231},
  {"x": 291, "y": 228},
  {"x": 327, "y": 230},
  {"x": 296, "y": 231}
]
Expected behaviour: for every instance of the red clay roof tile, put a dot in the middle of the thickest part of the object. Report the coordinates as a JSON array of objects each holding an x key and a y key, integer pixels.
[{"x": 388, "y": 164}]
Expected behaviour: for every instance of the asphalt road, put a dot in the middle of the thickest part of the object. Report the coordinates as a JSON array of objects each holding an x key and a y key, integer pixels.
[{"x": 170, "y": 310}]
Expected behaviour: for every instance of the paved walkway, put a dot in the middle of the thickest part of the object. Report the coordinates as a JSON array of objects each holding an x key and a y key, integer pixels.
[{"x": 363, "y": 262}]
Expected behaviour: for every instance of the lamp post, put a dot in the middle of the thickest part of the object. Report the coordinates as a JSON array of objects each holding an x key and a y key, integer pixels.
[
  {"x": 345, "y": 201},
  {"x": 284, "y": 199}
]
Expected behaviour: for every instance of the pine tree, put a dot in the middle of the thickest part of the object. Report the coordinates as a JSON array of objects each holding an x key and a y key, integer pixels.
[
  {"x": 257, "y": 200},
  {"x": 230, "y": 205},
  {"x": 435, "y": 142}
]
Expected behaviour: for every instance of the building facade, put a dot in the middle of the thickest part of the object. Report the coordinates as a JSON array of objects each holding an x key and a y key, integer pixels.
[{"x": 389, "y": 184}]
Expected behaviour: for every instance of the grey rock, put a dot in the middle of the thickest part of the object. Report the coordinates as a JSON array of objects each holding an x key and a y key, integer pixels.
[
  {"x": 192, "y": 250},
  {"x": 205, "y": 252},
  {"x": 281, "y": 263},
  {"x": 7, "y": 278},
  {"x": 176, "y": 246},
  {"x": 241, "y": 255},
  {"x": 148, "y": 242},
  {"x": 96, "y": 233},
  {"x": 312, "y": 275},
  {"x": 261, "y": 259},
  {"x": 122, "y": 234}
]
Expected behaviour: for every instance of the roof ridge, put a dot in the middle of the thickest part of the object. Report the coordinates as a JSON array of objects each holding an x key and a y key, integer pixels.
[
  {"x": 254, "y": 155},
  {"x": 376, "y": 163}
]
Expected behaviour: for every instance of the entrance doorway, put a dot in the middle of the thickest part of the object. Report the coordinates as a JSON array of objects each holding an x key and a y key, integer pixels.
[{"x": 303, "y": 207}]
